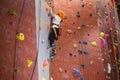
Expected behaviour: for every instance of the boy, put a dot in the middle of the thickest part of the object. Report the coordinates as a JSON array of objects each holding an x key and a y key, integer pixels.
[{"x": 54, "y": 32}]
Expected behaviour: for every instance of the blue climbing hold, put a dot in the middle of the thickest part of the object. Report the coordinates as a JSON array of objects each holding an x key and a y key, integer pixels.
[
  {"x": 83, "y": 65},
  {"x": 76, "y": 72},
  {"x": 83, "y": 25},
  {"x": 85, "y": 43},
  {"x": 82, "y": 78},
  {"x": 48, "y": 14},
  {"x": 86, "y": 52}
]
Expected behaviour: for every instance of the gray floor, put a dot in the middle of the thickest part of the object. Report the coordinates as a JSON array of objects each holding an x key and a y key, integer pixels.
[{"x": 42, "y": 38}]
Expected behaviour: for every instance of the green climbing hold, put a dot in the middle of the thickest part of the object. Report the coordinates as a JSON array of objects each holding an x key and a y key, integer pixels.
[
  {"x": 17, "y": 70},
  {"x": 60, "y": 47},
  {"x": 11, "y": 12}
]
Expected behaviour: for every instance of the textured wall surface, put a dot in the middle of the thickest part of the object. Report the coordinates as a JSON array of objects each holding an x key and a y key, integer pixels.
[
  {"x": 68, "y": 57},
  {"x": 15, "y": 53}
]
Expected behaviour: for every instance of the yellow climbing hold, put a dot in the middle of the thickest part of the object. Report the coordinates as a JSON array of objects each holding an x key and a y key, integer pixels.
[
  {"x": 99, "y": 14},
  {"x": 102, "y": 34},
  {"x": 94, "y": 44},
  {"x": 29, "y": 63},
  {"x": 75, "y": 45},
  {"x": 99, "y": 1},
  {"x": 20, "y": 36},
  {"x": 43, "y": 78},
  {"x": 60, "y": 69},
  {"x": 40, "y": 20}
]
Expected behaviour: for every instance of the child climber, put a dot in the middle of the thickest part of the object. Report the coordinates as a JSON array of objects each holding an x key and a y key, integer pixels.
[{"x": 54, "y": 31}]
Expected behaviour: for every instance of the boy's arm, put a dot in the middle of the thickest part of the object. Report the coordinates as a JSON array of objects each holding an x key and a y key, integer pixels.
[{"x": 51, "y": 12}]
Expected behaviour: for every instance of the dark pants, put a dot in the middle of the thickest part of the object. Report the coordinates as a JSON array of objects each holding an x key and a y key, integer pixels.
[{"x": 52, "y": 37}]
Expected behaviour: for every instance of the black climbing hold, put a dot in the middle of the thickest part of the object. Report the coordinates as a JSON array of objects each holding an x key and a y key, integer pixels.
[
  {"x": 80, "y": 51},
  {"x": 73, "y": 22},
  {"x": 98, "y": 73},
  {"x": 75, "y": 55},
  {"x": 78, "y": 15},
  {"x": 88, "y": 34},
  {"x": 11, "y": 12},
  {"x": 83, "y": 65},
  {"x": 65, "y": 71},
  {"x": 86, "y": 52},
  {"x": 85, "y": 43},
  {"x": 83, "y": 5},
  {"x": 83, "y": 25},
  {"x": 113, "y": 68},
  {"x": 90, "y": 14},
  {"x": 70, "y": 54}
]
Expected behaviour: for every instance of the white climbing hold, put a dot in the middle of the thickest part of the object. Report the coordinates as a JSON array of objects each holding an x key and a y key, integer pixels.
[{"x": 60, "y": 70}]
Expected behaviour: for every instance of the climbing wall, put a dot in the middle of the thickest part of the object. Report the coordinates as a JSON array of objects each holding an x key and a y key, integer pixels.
[
  {"x": 18, "y": 47},
  {"x": 43, "y": 27},
  {"x": 88, "y": 46}
]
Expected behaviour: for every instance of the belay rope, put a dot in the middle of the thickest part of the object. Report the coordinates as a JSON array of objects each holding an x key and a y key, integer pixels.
[{"x": 17, "y": 41}]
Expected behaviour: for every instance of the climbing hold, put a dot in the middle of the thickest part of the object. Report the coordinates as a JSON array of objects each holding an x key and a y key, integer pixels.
[
  {"x": 76, "y": 72},
  {"x": 99, "y": 14},
  {"x": 69, "y": 6},
  {"x": 60, "y": 70},
  {"x": 91, "y": 62},
  {"x": 94, "y": 44},
  {"x": 80, "y": 42},
  {"x": 40, "y": 28},
  {"x": 70, "y": 54},
  {"x": 43, "y": 41},
  {"x": 17, "y": 70},
  {"x": 60, "y": 47},
  {"x": 90, "y": 14},
  {"x": 102, "y": 34},
  {"x": 65, "y": 71},
  {"x": 51, "y": 78},
  {"x": 82, "y": 78},
  {"x": 83, "y": 25},
  {"x": 98, "y": 1},
  {"x": 69, "y": 31},
  {"x": 106, "y": 36},
  {"x": 73, "y": 22},
  {"x": 83, "y": 65},
  {"x": 86, "y": 52},
  {"x": 49, "y": 14},
  {"x": 75, "y": 45},
  {"x": 29, "y": 63},
  {"x": 80, "y": 51},
  {"x": 48, "y": 27},
  {"x": 102, "y": 42},
  {"x": 85, "y": 43},
  {"x": 98, "y": 73},
  {"x": 102, "y": 59},
  {"x": 83, "y": 5},
  {"x": 78, "y": 27},
  {"x": 78, "y": 15},
  {"x": 46, "y": 9},
  {"x": 45, "y": 64},
  {"x": 20, "y": 36},
  {"x": 11, "y": 12},
  {"x": 43, "y": 78},
  {"x": 40, "y": 20},
  {"x": 104, "y": 70},
  {"x": 90, "y": 3}
]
